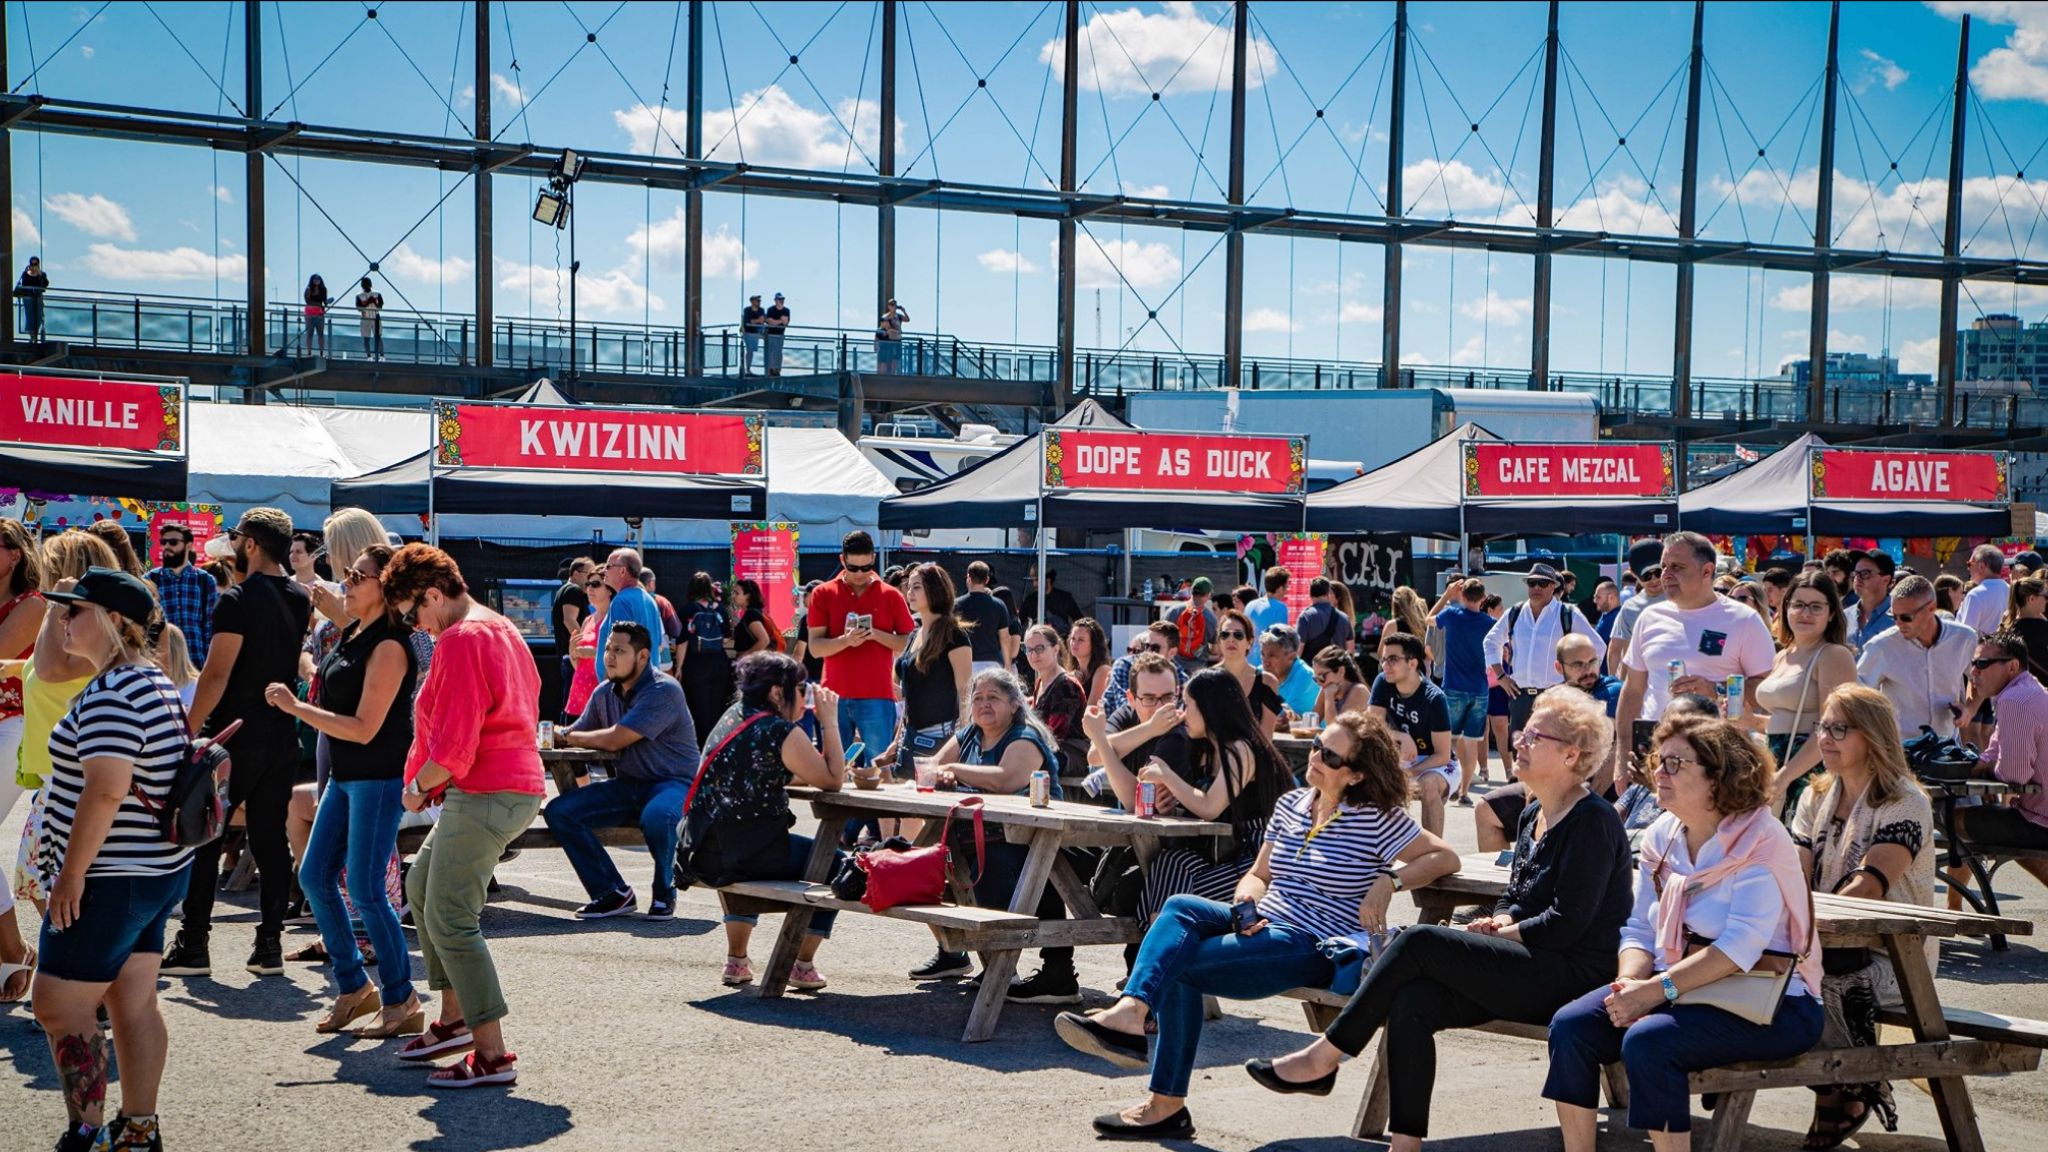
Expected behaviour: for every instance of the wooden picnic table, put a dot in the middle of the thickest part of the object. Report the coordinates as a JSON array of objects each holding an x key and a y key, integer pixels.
[
  {"x": 999, "y": 936},
  {"x": 1900, "y": 930},
  {"x": 566, "y": 764},
  {"x": 1294, "y": 750}
]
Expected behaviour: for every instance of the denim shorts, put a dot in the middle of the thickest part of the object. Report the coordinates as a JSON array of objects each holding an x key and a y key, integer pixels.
[
  {"x": 1468, "y": 714},
  {"x": 118, "y": 917}
]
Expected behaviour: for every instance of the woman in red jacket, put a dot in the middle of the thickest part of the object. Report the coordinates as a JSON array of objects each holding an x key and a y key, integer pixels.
[{"x": 473, "y": 746}]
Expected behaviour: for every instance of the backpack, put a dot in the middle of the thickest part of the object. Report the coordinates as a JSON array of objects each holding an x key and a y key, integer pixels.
[
  {"x": 192, "y": 812},
  {"x": 1507, "y": 650},
  {"x": 1194, "y": 631}
]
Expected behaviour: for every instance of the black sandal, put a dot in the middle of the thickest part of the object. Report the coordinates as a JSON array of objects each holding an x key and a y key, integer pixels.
[{"x": 1833, "y": 1124}]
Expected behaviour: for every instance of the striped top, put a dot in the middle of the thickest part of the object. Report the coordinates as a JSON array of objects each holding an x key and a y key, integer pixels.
[
  {"x": 132, "y": 712},
  {"x": 1322, "y": 873}
]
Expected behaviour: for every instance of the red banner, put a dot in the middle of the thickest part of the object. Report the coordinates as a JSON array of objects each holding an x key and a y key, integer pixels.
[
  {"x": 201, "y": 521},
  {"x": 1884, "y": 474},
  {"x": 81, "y": 412},
  {"x": 766, "y": 554},
  {"x": 598, "y": 439},
  {"x": 1501, "y": 471},
  {"x": 1175, "y": 462},
  {"x": 1302, "y": 555}
]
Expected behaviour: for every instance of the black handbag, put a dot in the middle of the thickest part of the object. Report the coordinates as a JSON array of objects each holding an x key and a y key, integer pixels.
[
  {"x": 1933, "y": 757},
  {"x": 717, "y": 853},
  {"x": 1118, "y": 882}
]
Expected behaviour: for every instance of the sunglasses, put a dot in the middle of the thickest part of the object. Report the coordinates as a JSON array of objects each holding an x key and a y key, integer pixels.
[
  {"x": 1159, "y": 649},
  {"x": 868, "y": 567},
  {"x": 354, "y": 576},
  {"x": 410, "y": 617},
  {"x": 1984, "y": 662},
  {"x": 1329, "y": 754},
  {"x": 594, "y": 585},
  {"x": 1904, "y": 617},
  {"x": 1231, "y": 634},
  {"x": 74, "y": 610}
]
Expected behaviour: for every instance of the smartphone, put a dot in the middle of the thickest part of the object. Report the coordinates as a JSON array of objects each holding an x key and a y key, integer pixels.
[
  {"x": 1244, "y": 915},
  {"x": 810, "y": 697},
  {"x": 867, "y": 623},
  {"x": 853, "y": 621}
]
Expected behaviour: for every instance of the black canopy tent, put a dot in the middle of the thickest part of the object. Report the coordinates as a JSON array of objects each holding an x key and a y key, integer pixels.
[
  {"x": 69, "y": 471},
  {"x": 1771, "y": 497},
  {"x": 1421, "y": 494}
]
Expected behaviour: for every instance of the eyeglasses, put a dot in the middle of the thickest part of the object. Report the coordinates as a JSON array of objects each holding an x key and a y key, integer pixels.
[
  {"x": 355, "y": 576},
  {"x": 1396, "y": 658},
  {"x": 1589, "y": 662},
  {"x": 1983, "y": 662},
  {"x": 1157, "y": 649},
  {"x": 1231, "y": 634},
  {"x": 594, "y": 585},
  {"x": 1535, "y": 584},
  {"x": 1155, "y": 701},
  {"x": 1527, "y": 738},
  {"x": 1835, "y": 731},
  {"x": 1037, "y": 649},
  {"x": 1807, "y": 607},
  {"x": 410, "y": 617},
  {"x": 1668, "y": 765},
  {"x": 867, "y": 567},
  {"x": 1865, "y": 574},
  {"x": 1904, "y": 617},
  {"x": 74, "y": 611}
]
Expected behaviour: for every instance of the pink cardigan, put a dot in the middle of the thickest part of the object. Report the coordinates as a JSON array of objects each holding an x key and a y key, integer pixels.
[
  {"x": 477, "y": 713},
  {"x": 1755, "y": 837}
]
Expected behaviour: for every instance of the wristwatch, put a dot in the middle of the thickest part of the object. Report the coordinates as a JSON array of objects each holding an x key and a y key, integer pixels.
[
  {"x": 1670, "y": 990},
  {"x": 1396, "y": 878},
  {"x": 413, "y": 788}
]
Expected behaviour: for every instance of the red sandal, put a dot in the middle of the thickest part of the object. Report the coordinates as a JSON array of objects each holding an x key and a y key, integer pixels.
[
  {"x": 473, "y": 1071},
  {"x": 438, "y": 1040}
]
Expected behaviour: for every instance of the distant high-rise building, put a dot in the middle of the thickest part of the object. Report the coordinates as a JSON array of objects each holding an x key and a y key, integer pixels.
[
  {"x": 1998, "y": 349},
  {"x": 1858, "y": 370}
]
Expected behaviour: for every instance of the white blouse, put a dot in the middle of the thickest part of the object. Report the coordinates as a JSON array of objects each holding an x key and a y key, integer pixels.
[{"x": 1743, "y": 914}]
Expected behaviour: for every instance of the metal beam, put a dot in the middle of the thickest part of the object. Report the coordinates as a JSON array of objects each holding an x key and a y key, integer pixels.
[
  {"x": 1546, "y": 178},
  {"x": 1390, "y": 286},
  {"x": 6, "y": 193},
  {"x": 253, "y": 196},
  {"x": 1253, "y": 221},
  {"x": 493, "y": 158},
  {"x": 1233, "y": 241},
  {"x": 885, "y": 214},
  {"x": 271, "y": 135},
  {"x": 1070, "y": 119},
  {"x": 905, "y": 192},
  {"x": 1082, "y": 207},
  {"x": 1823, "y": 226},
  {"x": 19, "y": 109},
  {"x": 1688, "y": 212},
  {"x": 486, "y": 304},
  {"x": 1952, "y": 231},
  {"x": 693, "y": 202}
]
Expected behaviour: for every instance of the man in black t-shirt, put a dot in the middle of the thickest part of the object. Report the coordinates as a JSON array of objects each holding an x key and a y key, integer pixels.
[
  {"x": 990, "y": 627},
  {"x": 775, "y": 329},
  {"x": 1149, "y": 727},
  {"x": 258, "y": 628},
  {"x": 1413, "y": 707}
]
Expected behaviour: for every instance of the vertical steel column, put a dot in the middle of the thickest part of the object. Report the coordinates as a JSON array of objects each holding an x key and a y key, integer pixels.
[
  {"x": 1688, "y": 212},
  {"x": 1546, "y": 178},
  {"x": 1070, "y": 121},
  {"x": 885, "y": 212},
  {"x": 693, "y": 202},
  {"x": 252, "y": 99},
  {"x": 1397, "y": 116},
  {"x": 1233, "y": 241},
  {"x": 1823, "y": 228},
  {"x": 486, "y": 309},
  {"x": 6, "y": 195},
  {"x": 1952, "y": 231}
]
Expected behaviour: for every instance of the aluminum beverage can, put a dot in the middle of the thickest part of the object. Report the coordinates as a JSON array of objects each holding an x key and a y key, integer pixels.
[
  {"x": 1145, "y": 801},
  {"x": 1735, "y": 686},
  {"x": 1041, "y": 789},
  {"x": 545, "y": 737},
  {"x": 1673, "y": 671}
]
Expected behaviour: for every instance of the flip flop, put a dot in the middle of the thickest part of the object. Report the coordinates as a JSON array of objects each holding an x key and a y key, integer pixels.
[
  {"x": 1840, "y": 1125},
  {"x": 9, "y": 971}
]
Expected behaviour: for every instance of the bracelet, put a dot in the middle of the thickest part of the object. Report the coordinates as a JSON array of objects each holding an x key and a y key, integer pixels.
[{"x": 1876, "y": 873}]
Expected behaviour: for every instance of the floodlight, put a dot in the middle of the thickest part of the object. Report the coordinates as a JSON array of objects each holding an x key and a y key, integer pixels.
[{"x": 551, "y": 209}]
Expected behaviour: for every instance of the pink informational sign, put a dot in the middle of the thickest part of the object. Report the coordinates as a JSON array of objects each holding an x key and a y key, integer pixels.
[
  {"x": 201, "y": 520},
  {"x": 765, "y": 552},
  {"x": 1301, "y": 553}
]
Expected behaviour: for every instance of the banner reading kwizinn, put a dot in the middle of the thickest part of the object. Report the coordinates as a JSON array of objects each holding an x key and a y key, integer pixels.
[{"x": 591, "y": 439}]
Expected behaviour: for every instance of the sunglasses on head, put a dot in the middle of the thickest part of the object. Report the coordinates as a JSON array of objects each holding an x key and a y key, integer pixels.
[{"x": 868, "y": 567}]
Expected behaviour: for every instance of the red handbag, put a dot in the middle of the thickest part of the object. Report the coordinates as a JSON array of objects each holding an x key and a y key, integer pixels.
[{"x": 917, "y": 876}]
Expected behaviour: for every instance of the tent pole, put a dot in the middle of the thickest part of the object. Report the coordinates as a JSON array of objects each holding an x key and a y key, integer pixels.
[
  {"x": 1041, "y": 529},
  {"x": 433, "y": 449}
]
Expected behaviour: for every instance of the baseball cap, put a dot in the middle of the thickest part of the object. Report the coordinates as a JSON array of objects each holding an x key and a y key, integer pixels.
[
  {"x": 1201, "y": 586},
  {"x": 2030, "y": 560},
  {"x": 778, "y": 295},
  {"x": 112, "y": 589},
  {"x": 1645, "y": 554}
]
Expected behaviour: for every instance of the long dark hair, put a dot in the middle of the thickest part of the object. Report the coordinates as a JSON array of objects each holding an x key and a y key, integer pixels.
[
  {"x": 939, "y": 632},
  {"x": 1228, "y": 716},
  {"x": 1837, "y": 629},
  {"x": 1098, "y": 651},
  {"x": 762, "y": 672}
]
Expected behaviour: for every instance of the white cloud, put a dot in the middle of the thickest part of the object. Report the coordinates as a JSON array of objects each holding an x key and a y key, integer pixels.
[
  {"x": 25, "y": 231},
  {"x": 1920, "y": 355},
  {"x": 1006, "y": 260},
  {"x": 94, "y": 215},
  {"x": 1882, "y": 71},
  {"x": 1096, "y": 262},
  {"x": 1173, "y": 50},
  {"x": 1269, "y": 320},
  {"x": 1890, "y": 214},
  {"x": 614, "y": 293},
  {"x": 406, "y": 264},
  {"x": 1454, "y": 189},
  {"x": 1851, "y": 293},
  {"x": 140, "y": 264},
  {"x": 1471, "y": 353},
  {"x": 2019, "y": 69},
  {"x": 504, "y": 90},
  {"x": 666, "y": 240},
  {"x": 223, "y": 193},
  {"x": 1493, "y": 308},
  {"x": 1146, "y": 191},
  {"x": 85, "y": 50},
  {"x": 774, "y": 130},
  {"x": 1841, "y": 341},
  {"x": 1361, "y": 312}
]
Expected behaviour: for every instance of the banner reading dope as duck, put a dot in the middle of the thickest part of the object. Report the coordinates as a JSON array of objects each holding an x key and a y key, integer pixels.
[{"x": 1135, "y": 461}]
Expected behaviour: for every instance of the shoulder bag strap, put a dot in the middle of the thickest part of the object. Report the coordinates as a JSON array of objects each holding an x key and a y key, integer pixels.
[{"x": 972, "y": 803}]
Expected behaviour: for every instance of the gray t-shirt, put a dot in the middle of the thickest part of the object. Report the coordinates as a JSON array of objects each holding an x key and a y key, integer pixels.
[{"x": 657, "y": 709}]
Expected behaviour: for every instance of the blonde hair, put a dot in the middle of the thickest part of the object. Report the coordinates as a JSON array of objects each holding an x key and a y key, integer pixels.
[
  {"x": 69, "y": 553},
  {"x": 1582, "y": 721},
  {"x": 129, "y": 638},
  {"x": 347, "y": 534},
  {"x": 1411, "y": 612},
  {"x": 1870, "y": 713},
  {"x": 175, "y": 656}
]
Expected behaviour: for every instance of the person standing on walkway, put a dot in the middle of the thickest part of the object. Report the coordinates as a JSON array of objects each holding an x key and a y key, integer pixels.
[
  {"x": 753, "y": 325},
  {"x": 889, "y": 338},
  {"x": 370, "y": 306},
  {"x": 34, "y": 282},
  {"x": 1984, "y": 605},
  {"x": 257, "y": 632},
  {"x": 472, "y": 748},
  {"x": 776, "y": 327},
  {"x": 317, "y": 301}
]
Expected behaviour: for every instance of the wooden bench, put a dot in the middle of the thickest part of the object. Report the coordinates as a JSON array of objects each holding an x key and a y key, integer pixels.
[{"x": 961, "y": 927}]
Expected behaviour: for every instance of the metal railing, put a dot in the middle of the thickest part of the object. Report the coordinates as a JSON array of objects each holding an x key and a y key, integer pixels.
[{"x": 200, "y": 326}]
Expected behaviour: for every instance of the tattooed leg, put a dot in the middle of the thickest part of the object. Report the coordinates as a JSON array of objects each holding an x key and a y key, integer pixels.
[{"x": 82, "y": 1066}]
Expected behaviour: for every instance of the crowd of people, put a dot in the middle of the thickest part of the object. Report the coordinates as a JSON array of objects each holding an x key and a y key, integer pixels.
[{"x": 1684, "y": 765}]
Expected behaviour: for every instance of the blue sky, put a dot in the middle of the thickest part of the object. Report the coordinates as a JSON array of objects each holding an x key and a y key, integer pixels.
[{"x": 148, "y": 218}]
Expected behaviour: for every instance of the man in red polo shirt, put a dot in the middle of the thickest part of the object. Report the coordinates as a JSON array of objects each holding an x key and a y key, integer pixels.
[{"x": 857, "y": 625}]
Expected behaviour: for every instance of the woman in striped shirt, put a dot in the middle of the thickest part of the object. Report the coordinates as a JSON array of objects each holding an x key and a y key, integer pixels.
[
  {"x": 113, "y": 878},
  {"x": 1326, "y": 870}
]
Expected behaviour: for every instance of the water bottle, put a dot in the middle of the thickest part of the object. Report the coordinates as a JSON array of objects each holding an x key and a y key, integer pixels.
[
  {"x": 1148, "y": 590},
  {"x": 1735, "y": 686}
]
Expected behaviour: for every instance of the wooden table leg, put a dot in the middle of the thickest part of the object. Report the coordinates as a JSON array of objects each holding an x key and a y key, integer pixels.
[
  {"x": 1374, "y": 1106},
  {"x": 1731, "y": 1120},
  {"x": 998, "y": 967},
  {"x": 796, "y": 919},
  {"x": 1923, "y": 1010}
]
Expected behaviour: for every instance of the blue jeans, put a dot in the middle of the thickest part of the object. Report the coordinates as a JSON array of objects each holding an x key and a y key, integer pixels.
[
  {"x": 750, "y": 343},
  {"x": 873, "y": 723},
  {"x": 799, "y": 855},
  {"x": 655, "y": 805},
  {"x": 1660, "y": 1049},
  {"x": 1191, "y": 950},
  {"x": 355, "y": 829}
]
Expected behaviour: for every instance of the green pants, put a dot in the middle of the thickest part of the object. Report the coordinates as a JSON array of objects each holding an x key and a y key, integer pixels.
[{"x": 446, "y": 889}]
